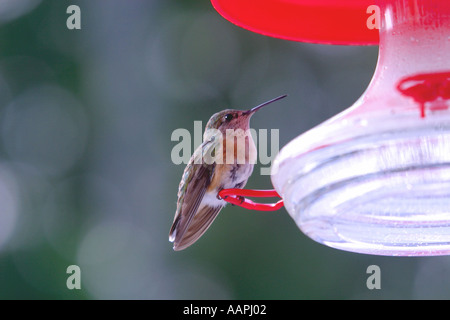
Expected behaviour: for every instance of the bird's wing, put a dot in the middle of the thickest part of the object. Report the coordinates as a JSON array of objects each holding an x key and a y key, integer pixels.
[
  {"x": 193, "y": 185},
  {"x": 197, "y": 227}
]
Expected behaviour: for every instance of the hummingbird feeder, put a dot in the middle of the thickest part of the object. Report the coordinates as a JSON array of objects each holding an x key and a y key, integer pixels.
[{"x": 375, "y": 178}]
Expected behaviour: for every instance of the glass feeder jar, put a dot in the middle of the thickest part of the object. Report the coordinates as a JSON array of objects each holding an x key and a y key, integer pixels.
[{"x": 375, "y": 179}]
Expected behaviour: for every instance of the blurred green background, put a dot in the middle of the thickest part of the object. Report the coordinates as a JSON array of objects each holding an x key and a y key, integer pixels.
[{"x": 86, "y": 177}]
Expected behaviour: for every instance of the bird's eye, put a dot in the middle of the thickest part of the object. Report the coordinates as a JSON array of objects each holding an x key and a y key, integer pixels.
[{"x": 228, "y": 117}]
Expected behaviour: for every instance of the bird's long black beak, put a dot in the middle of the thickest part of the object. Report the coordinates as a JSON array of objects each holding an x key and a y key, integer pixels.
[{"x": 253, "y": 110}]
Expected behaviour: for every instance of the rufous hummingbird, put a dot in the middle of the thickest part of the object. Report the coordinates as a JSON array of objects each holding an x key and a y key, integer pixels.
[{"x": 198, "y": 193}]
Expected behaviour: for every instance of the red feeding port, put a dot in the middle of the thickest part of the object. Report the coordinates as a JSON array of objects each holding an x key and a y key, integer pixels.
[{"x": 425, "y": 88}]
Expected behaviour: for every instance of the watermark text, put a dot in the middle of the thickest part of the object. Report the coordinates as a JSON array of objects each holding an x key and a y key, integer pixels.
[{"x": 232, "y": 147}]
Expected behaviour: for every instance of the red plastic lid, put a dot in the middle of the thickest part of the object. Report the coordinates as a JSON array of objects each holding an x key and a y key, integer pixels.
[{"x": 318, "y": 21}]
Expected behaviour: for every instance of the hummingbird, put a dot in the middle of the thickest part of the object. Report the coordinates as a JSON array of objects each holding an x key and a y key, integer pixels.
[{"x": 198, "y": 201}]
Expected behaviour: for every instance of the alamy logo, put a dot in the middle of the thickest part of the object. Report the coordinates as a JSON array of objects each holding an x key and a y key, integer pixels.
[
  {"x": 373, "y": 21},
  {"x": 74, "y": 20},
  {"x": 74, "y": 280},
  {"x": 374, "y": 280},
  {"x": 236, "y": 144}
]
